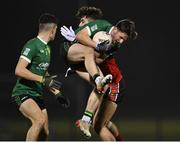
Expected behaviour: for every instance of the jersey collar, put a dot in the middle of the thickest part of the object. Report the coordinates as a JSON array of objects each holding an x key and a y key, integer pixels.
[
  {"x": 41, "y": 40},
  {"x": 111, "y": 29}
]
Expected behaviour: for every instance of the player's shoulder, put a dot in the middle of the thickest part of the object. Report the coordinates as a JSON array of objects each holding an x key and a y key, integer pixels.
[
  {"x": 32, "y": 43},
  {"x": 102, "y": 21}
]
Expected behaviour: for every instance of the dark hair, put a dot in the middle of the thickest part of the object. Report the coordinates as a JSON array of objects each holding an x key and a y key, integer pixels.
[
  {"x": 91, "y": 12},
  {"x": 47, "y": 18},
  {"x": 127, "y": 26}
]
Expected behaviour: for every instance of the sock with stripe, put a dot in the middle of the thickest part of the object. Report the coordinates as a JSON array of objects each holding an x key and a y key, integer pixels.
[{"x": 87, "y": 116}]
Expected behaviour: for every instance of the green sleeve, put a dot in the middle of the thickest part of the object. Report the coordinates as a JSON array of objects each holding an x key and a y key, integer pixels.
[
  {"x": 96, "y": 26},
  {"x": 28, "y": 52}
]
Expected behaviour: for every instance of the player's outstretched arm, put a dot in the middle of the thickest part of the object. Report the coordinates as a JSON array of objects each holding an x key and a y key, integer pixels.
[{"x": 84, "y": 38}]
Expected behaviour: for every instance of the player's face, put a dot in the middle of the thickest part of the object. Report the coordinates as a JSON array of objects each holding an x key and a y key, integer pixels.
[
  {"x": 53, "y": 32},
  {"x": 84, "y": 20},
  {"x": 118, "y": 36}
]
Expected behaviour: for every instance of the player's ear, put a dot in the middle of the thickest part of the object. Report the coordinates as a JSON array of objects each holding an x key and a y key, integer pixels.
[
  {"x": 134, "y": 35},
  {"x": 53, "y": 29},
  {"x": 115, "y": 28}
]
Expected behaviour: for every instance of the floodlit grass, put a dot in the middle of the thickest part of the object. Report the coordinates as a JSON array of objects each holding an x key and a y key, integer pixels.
[{"x": 131, "y": 129}]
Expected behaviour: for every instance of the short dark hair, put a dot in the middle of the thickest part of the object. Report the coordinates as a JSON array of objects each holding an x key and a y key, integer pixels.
[
  {"x": 127, "y": 26},
  {"x": 47, "y": 18},
  {"x": 91, "y": 12}
]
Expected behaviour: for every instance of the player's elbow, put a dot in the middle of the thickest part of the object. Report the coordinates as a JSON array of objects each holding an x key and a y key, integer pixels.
[
  {"x": 18, "y": 71},
  {"x": 79, "y": 37}
]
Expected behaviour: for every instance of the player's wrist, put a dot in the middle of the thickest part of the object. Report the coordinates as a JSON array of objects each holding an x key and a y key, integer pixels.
[
  {"x": 41, "y": 79},
  {"x": 58, "y": 94}
]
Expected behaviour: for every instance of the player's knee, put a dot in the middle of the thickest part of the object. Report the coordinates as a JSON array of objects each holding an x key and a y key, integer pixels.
[
  {"x": 98, "y": 126},
  {"x": 40, "y": 122}
]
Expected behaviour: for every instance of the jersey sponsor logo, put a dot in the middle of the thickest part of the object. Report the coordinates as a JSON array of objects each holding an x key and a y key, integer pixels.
[
  {"x": 26, "y": 51},
  {"x": 94, "y": 27},
  {"x": 42, "y": 51},
  {"x": 43, "y": 66}
]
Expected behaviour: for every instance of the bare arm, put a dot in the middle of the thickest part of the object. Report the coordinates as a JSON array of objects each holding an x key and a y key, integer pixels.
[
  {"x": 83, "y": 37},
  {"x": 23, "y": 72}
]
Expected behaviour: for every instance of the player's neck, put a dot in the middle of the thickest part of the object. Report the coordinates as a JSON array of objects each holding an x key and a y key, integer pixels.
[{"x": 44, "y": 37}]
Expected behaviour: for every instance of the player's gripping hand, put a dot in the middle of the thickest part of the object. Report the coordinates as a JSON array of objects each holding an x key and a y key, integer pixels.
[
  {"x": 69, "y": 34},
  {"x": 103, "y": 46},
  {"x": 49, "y": 82},
  {"x": 62, "y": 99}
]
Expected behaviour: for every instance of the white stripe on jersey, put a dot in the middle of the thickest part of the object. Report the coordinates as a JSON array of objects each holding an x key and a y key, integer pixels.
[
  {"x": 89, "y": 31},
  {"x": 25, "y": 58}
]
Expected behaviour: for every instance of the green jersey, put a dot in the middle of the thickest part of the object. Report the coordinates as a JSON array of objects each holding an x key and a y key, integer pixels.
[
  {"x": 100, "y": 25},
  {"x": 37, "y": 53},
  {"x": 96, "y": 26},
  {"x": 93, "y": 27}
]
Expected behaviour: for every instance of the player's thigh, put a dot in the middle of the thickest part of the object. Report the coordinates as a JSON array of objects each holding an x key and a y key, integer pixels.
[
  {"x": 76, "y": 52},
  {"x": 31, "y": 110},
  {"x": 105, "y": 112}
]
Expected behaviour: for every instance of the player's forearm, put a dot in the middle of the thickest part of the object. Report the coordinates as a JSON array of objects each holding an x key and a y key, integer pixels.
[
  {"x": 85, "y": 40},
  {"x": 26, "y": 74}
]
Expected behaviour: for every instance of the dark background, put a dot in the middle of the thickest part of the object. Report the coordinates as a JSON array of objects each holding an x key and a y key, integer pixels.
[{"x": 150, "y": 65}]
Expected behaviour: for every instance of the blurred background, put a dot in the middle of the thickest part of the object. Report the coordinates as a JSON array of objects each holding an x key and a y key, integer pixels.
[{"x": 150, "y": 65}]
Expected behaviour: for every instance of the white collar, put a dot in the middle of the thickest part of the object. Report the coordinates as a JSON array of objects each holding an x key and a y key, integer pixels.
[
  {"x": 111, "y": 29},
  {"x": 41, "y": 40}
]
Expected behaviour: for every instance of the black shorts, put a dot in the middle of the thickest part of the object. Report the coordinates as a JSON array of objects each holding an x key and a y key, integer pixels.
[{"x": 18, "y": 100}]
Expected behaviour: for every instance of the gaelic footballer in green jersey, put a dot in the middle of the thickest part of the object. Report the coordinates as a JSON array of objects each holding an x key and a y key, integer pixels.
[
  {"x": 85, "y": 19},
  {"x": 31, "y": 71},
  {"x": 79, "y": 52},
  {"x": 37, "y": 53}
]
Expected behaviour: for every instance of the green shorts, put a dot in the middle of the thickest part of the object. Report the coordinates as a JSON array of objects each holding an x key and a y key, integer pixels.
[{"x": 18, "y": 100}]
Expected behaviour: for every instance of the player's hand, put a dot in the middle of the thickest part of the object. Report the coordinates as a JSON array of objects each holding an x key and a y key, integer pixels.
[
  {"x": 103, "y": 46},
  {"x": 62, "y": 99},
  {"x": 69, "y": 34},
  {"x": 50, "y": 82}
]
